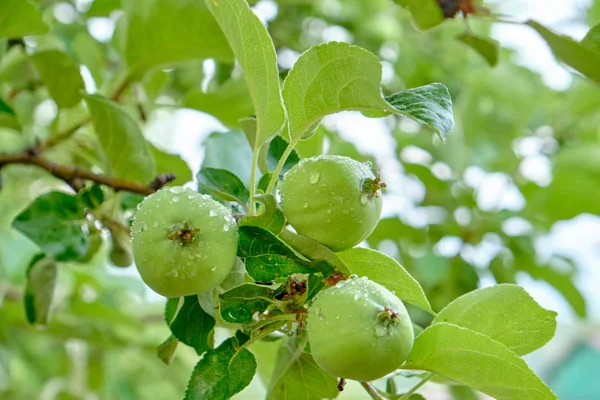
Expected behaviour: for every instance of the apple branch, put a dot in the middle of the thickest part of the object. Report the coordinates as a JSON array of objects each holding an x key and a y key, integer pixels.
[{"x": 74, "y": 175}]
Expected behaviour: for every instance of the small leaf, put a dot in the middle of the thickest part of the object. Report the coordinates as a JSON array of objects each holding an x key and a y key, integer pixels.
[
  {"x": 61, "y": 77},
  {"x": 275, "y": 152},
  {"x": 315, "y": 284},
  {"x": 255, "y": 53},
  {"x": 235, "y": 277},
  {"x": 192, "y": 325},
  {"x": 91, "y": 197},
  {"x": 6, "y": 109},
  {"x": 222, "y": 184},
  {"x": 426, "y": 13},
  {"x": 314, "y": 250},
  {"x": 574, "y": 54},
  {"x": 505, "y": 313},
  {"x": 103, "y": 8},
  {"x": 54, "y": 222},
  {"x": 428, "y": 105},
  {"x": 327, "y": 79},
  {"x": 270, "y": 218},
  {"x": 487, "y": 48},
  {"x": 229, "y": 103},
  {"x": 127, "y": 153},
  {"x": 166, "y": 32},
  {"x": 20, "y": 18},
  {"x": 463, "y": 393},
  {"x": 229, "y": 151},
  {"x": 239, "y": 304},
  {"x": 171, "y": 164},
  {"x": 222, "y": 372},
  {"x": 475, "y": 360},
  {"x": 39, "y": 290},
  {"x": 166, "y": 350},
  {"x": 297, "y": 376},
  {"x": 267, "y": 257},
  {"x": 386, "y": 271},
  {"x": 592, "y": 39},
  {"x": 263, "y": 182}
]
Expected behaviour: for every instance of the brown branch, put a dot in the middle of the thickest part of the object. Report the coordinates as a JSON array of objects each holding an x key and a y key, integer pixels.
[{"x": 72, "y": 174}]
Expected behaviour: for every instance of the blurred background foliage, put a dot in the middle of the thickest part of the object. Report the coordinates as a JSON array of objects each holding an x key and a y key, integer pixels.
[{"x": 522, "y": 157}]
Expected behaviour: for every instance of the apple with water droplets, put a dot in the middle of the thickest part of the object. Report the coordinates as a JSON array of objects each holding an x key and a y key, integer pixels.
[
  {"x": 334, "y": 200},
  {"x": 184, "y": 242},
  {"x": 359, "y": 330}
]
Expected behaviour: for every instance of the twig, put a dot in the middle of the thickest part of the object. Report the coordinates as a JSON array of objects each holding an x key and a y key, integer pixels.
[
  {"x": 59, "y": 138},
  {"x": 371, "y": 390},
  {"x": 72, "y": 174}
]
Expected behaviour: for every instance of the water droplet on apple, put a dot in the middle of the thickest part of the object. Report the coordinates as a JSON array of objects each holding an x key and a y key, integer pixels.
[{"x": 314, "y": 177}]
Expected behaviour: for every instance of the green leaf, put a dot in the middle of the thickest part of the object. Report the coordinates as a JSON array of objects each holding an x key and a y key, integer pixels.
[
  {"x": 192, "y": 325},
  {"x": 270, "y": 216},
  {"x": 229, "y": 151},
  {"x": 39, "y": 290},
  {"x": 255, "y": 53},
  {"x": 91, "y": 197},
  {"x": 127, "y": 153},
  {"x": 171, "y": 164},
  {"x": 314, "y": 250},
  {"x": 335, "y": 77},
  {"x": 475, "y": 360},
  {"x": 166, "y": 32},
  {"x": 222, "y": 184},
  {"x": 487, "y": 48},
  {"x": 61, "y": 77},
  {"x": 428, "y": 105},
  {"x": 572, "y": 53},
  {"x": 327, "y": 79},
  {"x": 229, "y": 103},
  {"x": 426, "y": 13},
  {"x": 463, "y": 393},
  {"x": 54, "y": 222},
  {"x": 267, "y": 257},
  {"x": 7, "y": 117},
  {"x": 5, "y": 108},
  {"x": 20, "y": 18},
  {"x": 315, "y": 284},
  {"x": 235, "y": 277},
  {"x": 386, "y": 271},
  {"x": 296, "y": 376},
  {"x": 103, "y": 8},
  {"x": 166, "y": 350},
  {"x": 239, "y": 304},
  {"x": 222, "y": 372},
  {"x": 275, "y": 152},
  {"x": 592, "y": 39},
  {"x": 505, "y": 313},
  {"x": 89, "y": 52}
]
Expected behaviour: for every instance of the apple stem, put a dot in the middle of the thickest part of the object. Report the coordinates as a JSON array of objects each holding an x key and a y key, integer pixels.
[
  {"x": 424, "y": 380},
  {"x": 371, "y": 390}
]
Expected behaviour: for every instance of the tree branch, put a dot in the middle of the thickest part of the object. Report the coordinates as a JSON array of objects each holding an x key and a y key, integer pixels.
[{"x": 72, "y": 174}]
